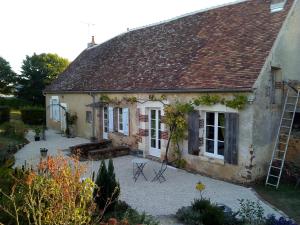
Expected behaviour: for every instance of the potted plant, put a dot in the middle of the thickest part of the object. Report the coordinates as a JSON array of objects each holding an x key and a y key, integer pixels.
[
  {"x": 43, "y": 152},
  {"x": 37, "y": 132},
  {"x": 71, "y": 121}
]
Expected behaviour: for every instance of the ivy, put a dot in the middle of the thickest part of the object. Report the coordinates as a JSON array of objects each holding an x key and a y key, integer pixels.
[
  {"x": 105, "y": 99},
  {"x": 238, "y": 102},
  {"x": 131, "y": 100}
]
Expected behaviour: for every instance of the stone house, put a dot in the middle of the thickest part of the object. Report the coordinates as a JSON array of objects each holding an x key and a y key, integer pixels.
[{"x": 244, "y": 48}]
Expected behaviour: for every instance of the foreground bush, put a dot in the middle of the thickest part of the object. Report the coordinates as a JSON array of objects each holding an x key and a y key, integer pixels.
[
  {"x": 4, "y": 114},
  {"x": 14, "y": 129},
  {"x": 107, "y": 188},
  {"x": 201, "y": 212},
  {"x": 55, "y": 195},
  {"x": 33, "y": 115},
  {"x": 129, "y": 216},
  {"x": 271, "y": 220}
]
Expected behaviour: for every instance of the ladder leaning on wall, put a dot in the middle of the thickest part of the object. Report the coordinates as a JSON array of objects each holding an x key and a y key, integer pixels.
[{"x": 283, "y": 137}]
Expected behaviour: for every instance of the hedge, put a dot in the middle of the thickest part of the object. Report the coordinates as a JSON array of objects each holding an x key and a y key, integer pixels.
[
  {"x": 14, "y": 103},
  {"x": 4, "y": 114},
  {"x": 33, "y": 116}
]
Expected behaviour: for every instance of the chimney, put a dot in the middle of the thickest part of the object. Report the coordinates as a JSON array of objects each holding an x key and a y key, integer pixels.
[
  {"x": 92, "y": 43},
  {"x": 277, "y": 5}
]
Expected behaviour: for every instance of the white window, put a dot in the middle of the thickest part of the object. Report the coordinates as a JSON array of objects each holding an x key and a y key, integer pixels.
[
  {"x": 54, "y": 108},
  {"x": 88, "y": 116},
  {"x": 215, "y": 134},
  {"x": 123, "y": 120},
  {"x": 110, "y": 119}
]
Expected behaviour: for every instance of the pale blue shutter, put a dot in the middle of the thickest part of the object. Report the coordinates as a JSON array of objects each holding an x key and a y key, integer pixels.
[
  {"x": 51, "y": 108},
  {"x": 110, "y": 119},
  {"x": 126, "y": 121}
]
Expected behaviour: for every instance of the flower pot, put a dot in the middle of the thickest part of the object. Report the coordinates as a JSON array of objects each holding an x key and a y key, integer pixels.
[
  {"x": 37, "y": 138},
  {"x": 43, "y": 152}
]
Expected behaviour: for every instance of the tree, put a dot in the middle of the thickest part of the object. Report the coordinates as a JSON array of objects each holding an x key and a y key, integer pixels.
[
  {"x": 7, "y": 77},
  {"x": 38, "y": 71},
  {"x": 108, "y": 189}
]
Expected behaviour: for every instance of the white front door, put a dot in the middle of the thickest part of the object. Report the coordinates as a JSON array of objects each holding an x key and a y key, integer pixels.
[
  {"x": 63, "y": 122},
  {"x": 155, "y": 130},
  {"x": 105, "y": 123}
]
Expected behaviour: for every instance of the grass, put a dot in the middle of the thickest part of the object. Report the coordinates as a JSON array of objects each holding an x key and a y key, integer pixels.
[{"x": 286, "y": 198}]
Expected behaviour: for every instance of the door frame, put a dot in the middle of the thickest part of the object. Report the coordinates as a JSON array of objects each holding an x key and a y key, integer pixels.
[
  {"x": 155, "y": 151},
  {"x": 63, "y": 121}
]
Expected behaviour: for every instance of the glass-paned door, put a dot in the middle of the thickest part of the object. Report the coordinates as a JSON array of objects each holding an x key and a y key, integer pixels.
[
  {"x": 215, "y": 134},
  {"x": 155, "y": 132},
  {"x": 105, "y": 122}
]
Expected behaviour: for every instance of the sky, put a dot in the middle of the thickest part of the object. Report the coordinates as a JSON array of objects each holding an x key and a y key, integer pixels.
[{"x": 66, "y": 26}]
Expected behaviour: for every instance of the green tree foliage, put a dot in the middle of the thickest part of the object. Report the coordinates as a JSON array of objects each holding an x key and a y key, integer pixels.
[
  {"x": 7, "y": 77},
  {"x": 38, "y": 71},
  {"x": 108, "y": 189}
]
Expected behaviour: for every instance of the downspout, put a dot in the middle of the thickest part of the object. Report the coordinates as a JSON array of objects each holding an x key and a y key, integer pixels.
[{"x": 93, "y": 117}]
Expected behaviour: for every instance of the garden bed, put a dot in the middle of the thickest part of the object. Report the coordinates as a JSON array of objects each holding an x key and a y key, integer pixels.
[{"x": 99, "y": 150}]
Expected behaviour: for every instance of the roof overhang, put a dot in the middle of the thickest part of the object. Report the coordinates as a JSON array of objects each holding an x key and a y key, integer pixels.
[{"x": 225, "y": 90}]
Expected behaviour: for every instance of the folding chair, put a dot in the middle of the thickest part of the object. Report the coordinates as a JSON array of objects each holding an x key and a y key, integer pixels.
[{"x": 159, "y": 175}]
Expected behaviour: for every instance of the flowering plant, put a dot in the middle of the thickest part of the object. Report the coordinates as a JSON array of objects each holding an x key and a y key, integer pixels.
[{"x": 200, "y": 187}]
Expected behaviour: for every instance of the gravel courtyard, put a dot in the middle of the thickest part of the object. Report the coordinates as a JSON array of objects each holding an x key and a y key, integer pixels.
[{"x": 152, "y": 197}]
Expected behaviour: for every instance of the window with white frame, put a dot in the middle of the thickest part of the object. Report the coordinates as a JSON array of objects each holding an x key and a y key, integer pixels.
[
  {"x": 54, "y": 108},
  {"x": 88, "y": 116},
  {"x": 215, "y": 134},
  {"x": 120, "y": 120}
]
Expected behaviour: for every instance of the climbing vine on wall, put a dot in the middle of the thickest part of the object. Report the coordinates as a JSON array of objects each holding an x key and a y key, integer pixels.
[
  {"x": 238, "y": 101},
  {"x": 175, "y": 119}
]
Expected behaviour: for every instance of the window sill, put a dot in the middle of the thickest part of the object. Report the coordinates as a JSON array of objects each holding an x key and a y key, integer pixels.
[{"x": 119, "y": 133}]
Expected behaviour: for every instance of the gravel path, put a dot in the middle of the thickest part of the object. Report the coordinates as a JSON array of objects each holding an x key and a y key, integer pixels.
[{"x": 154, "y": 198}]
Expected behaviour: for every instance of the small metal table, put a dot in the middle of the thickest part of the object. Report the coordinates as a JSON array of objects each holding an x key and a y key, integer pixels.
[{"x": 138, "y": 167}]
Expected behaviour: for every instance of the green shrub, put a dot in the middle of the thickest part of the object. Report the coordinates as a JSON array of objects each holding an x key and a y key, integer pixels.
[
  {"x": 188, "y": 215},
  {"x": 251, "y": 212},
  {"x": 4, "y": 114},
  {"x": 123, "y": 212},
  {"x": 211, "y": 214},
  {"x": 33, "y": 115},
  {"x": 14, "y": 103},
  {"x": 14, "y": 129},
  {"x": 108, "y": 189},
  {"x": 201, "y": 212}
]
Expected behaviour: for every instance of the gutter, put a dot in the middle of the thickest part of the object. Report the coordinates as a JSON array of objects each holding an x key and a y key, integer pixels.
[{"x": 196, "y": 90}]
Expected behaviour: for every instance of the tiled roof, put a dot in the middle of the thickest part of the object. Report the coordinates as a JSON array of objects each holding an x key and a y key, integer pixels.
[{"x": 219, "y": 49}]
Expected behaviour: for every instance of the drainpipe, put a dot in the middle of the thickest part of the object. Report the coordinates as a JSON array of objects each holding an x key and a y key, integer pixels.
[{"x": 93, "y": 117}]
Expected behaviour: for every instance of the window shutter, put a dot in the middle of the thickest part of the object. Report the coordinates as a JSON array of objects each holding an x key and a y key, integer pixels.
[
  {"x": 231, "y": 138},
  {"x": 193, "y": 132},
  {"x": 126, "y": 121},
  {"x": 115, "y": 119},
  {"x": 51, "y": 108},
  {"x": 110, "y": 119}
]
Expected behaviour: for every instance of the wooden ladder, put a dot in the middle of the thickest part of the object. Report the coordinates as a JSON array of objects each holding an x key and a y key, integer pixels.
[{"x": 283, "y": 137}]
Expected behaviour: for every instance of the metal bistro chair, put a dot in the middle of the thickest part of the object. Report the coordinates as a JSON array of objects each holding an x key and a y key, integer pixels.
[{"x": 159, "y": 175}]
